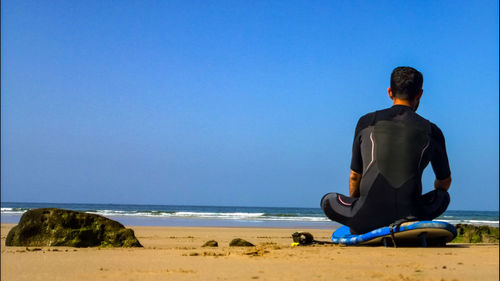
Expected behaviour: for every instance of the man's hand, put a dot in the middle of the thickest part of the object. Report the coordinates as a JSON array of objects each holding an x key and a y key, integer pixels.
[
  {"x": 354, "y": 181},
  {"x": 443, "y": 184}
]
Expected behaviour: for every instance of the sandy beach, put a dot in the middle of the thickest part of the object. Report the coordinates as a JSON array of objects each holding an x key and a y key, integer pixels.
[{"x": 175, "y": 253}]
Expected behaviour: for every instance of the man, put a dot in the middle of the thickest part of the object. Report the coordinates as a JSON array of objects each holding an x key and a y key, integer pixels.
[{"x": 391, "y": 149}]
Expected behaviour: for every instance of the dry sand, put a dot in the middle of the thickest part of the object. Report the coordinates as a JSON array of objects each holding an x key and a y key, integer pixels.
[{"x": 175, "y": 253}]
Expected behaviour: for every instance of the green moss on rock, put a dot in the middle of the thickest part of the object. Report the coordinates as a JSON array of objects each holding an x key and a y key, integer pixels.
[
  {"x": 467, "y": 233},
  {"x": 238, "y": 242},
  {"x": 211, "y": 243},
  {"x": 59, "y": 227}
]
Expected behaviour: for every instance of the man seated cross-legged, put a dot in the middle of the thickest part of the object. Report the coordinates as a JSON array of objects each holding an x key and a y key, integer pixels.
[{"x": 391, "y": 149}]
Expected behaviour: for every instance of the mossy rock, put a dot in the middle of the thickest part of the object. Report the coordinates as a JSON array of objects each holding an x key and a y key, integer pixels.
[
  {"x": 211, "y": 243},
  {"x": 59, "y": 227},
  {"x": 238, "y": 242},
  {"x": 467, "y": 233}
]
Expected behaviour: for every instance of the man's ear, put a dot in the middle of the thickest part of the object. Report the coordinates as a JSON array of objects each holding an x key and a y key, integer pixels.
[
  {"x": 389, "y": 91},
  {"x": 417, "y": 98}
]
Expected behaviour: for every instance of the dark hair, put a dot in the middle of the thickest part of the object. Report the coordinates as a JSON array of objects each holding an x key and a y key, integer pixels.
[{"x": 406, "y": 82}]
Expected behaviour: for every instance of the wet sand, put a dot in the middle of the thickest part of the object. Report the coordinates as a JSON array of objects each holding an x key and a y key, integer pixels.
[{"x": 175, "y": 253}]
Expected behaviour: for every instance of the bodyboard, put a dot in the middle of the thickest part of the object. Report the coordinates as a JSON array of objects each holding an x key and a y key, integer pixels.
[{"x": 416, "y": 233}]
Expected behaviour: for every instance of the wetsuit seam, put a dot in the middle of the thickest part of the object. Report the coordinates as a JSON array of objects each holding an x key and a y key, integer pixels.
[
  {"x": 373, "y": 152},
  {"x": 422, "y": 154}
]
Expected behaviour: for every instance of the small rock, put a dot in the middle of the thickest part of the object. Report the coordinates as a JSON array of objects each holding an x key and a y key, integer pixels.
[
  {"x": 211, "y": 243},
  {"x": 238, "y": 242}
]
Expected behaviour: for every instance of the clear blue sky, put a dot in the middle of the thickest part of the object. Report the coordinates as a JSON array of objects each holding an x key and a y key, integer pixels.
[{"x": 248, "y": 103}]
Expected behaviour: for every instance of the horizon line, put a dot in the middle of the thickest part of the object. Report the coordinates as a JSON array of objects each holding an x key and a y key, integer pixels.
[{"x": 196, "y": 205}]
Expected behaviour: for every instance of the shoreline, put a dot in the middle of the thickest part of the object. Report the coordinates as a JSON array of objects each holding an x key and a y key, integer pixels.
[
  {"x": 205, "y": 222},
  {"x": 10, "y": 225},
  {"x": 211, "y": 222},
  {"x": 175, "y": 253},
  {"x": 221, "y": 216}
]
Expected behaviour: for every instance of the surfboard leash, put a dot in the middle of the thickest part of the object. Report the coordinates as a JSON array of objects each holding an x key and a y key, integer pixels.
[
  {"x": 305, "y": 239},
  {"x": 395, "y": 226}
]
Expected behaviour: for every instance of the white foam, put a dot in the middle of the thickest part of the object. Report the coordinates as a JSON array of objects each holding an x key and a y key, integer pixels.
[
  {"x": 474, "y": 222},
  {"x": 131, "y": 214},
  {"x": 12, "y": 211},
  {"x": 272, "y": 218},
  {"x": 243, "y": 216},
  {"x": 212, "y": 215},
  {"x": 218, "y": 215},
  {"x": 479, "y": 221}
]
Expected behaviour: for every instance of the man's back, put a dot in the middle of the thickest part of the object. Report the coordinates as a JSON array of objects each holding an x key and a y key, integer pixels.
[
  {"x": 391, "y": 149},
  {"x": 397, "y": 143}
]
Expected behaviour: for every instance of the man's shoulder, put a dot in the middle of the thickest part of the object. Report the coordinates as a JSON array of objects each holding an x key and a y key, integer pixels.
[
  {"x": 365, "y": 121},
  {"x": 372, "y": 117},
  {"x": 436, "y": 131},
  {"x": 367, "y": 117},
  {"x": 391, "y": 113}
]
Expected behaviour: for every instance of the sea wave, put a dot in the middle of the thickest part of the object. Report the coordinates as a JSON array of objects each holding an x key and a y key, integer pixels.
[
  {"x": 239, "y": 216},
  {"x": 14, "y": 211},
  {"x": 130, "y": 213},
  {"x": 474, "y": 222},
  {"x": 312, "y": 219},
  {"x": 219, "y": 215},
  {"x": 194, "y": 215},
  {"x": 482, "y": 221}
]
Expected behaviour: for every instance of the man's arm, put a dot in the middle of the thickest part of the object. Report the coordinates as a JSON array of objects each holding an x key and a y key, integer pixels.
[
  {"x": 354, "y": 181},
  {"x": 443, "y": 184},
  {"x": 357, "y": 160},
  {"x": 439, "y": 160}
]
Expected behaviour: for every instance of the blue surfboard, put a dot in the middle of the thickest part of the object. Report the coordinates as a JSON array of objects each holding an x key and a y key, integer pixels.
[{"x": 416, "y": 233}]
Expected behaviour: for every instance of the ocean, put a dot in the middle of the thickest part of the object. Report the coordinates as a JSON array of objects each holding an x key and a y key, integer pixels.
[{"x": 171, "y": 215}]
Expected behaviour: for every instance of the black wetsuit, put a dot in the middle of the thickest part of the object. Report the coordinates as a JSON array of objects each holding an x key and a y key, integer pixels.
[{"x": 391, "y": 149}]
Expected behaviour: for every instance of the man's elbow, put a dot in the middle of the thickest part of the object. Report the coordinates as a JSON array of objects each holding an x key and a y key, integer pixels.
[
  {"x": 443, "y": 184},
  {"x": 355, "y": 176}
]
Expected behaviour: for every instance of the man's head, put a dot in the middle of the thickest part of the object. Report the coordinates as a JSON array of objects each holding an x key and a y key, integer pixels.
[{"x": 406, "y": 85}]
